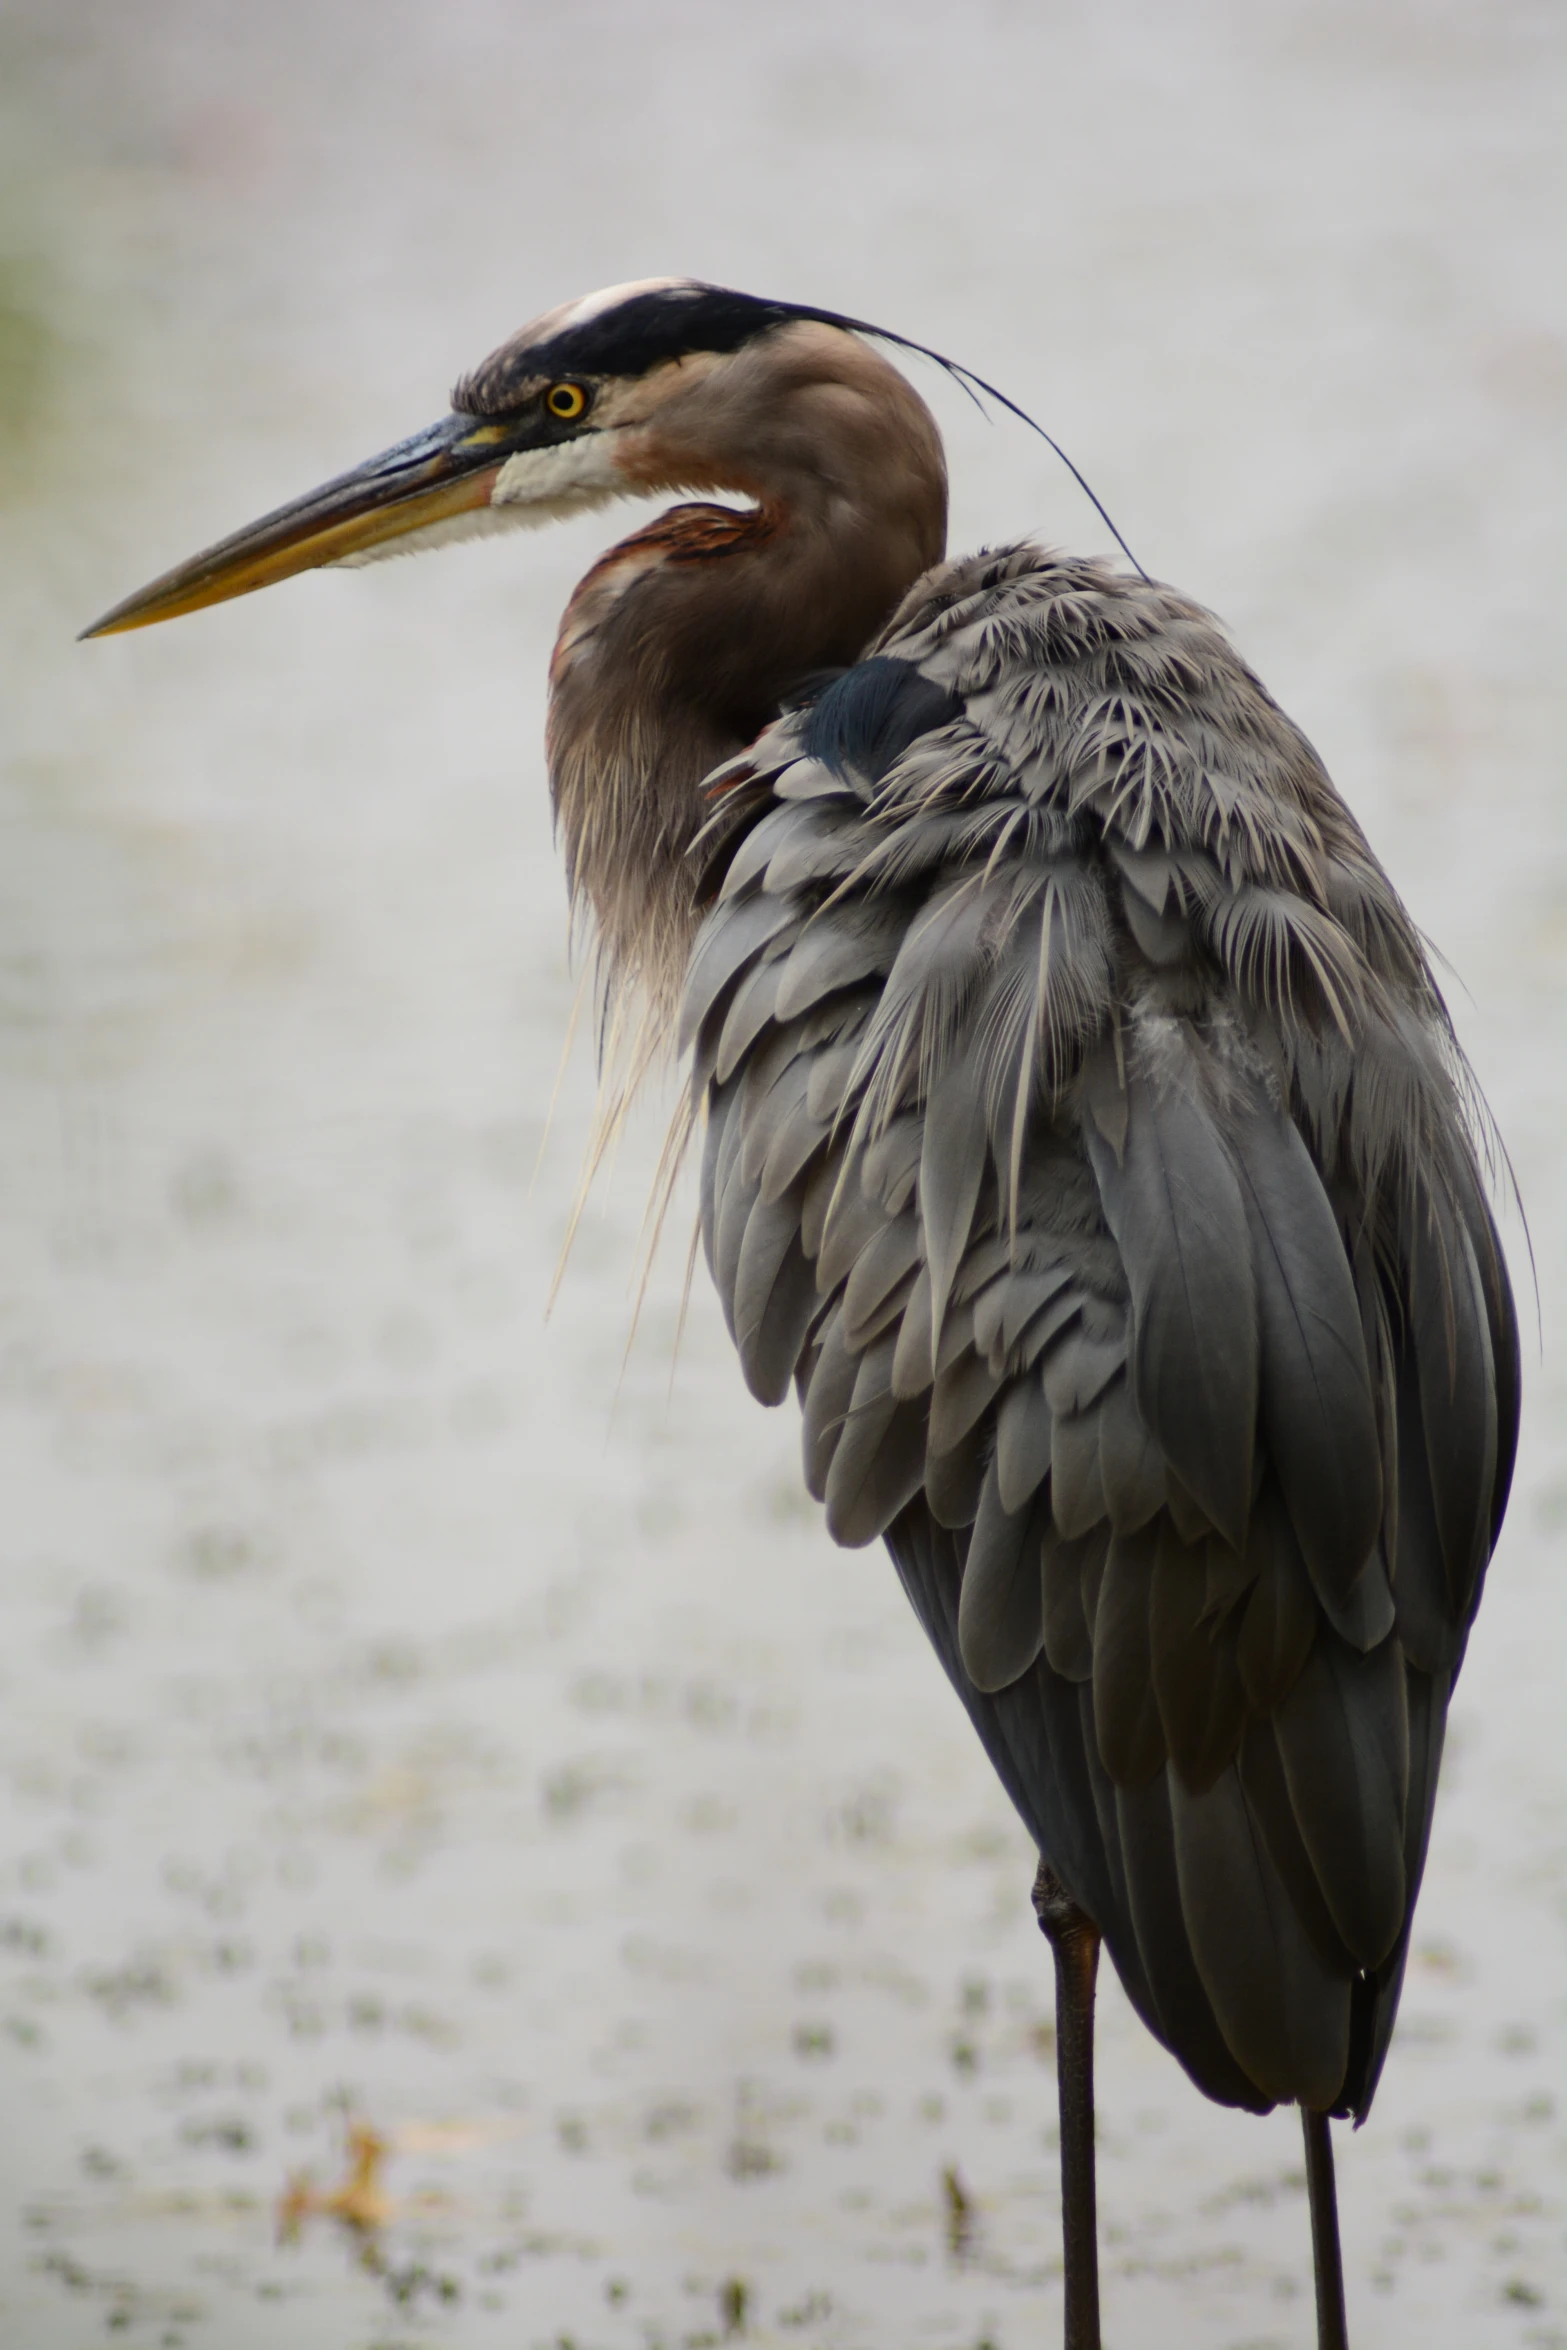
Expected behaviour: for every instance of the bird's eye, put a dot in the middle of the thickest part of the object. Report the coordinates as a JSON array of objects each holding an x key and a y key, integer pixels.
[{"x": 567, "y": 401}]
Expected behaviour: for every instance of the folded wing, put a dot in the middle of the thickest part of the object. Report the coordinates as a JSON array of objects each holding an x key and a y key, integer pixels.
[{"x": 1086, "y": 1142}]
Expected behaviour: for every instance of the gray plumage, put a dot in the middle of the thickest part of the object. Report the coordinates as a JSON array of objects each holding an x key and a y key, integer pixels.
[{"x": 1205, "y": 1285}]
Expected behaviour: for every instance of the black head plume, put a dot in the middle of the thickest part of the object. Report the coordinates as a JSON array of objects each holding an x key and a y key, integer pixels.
[{"x": 675, "y": 320}]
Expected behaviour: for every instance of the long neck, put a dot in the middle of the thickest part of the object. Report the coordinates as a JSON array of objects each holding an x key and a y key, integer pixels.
[{"x": 675, "y": 652}]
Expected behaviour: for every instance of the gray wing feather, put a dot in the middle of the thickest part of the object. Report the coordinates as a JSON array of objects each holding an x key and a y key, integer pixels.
[
  {"x": 1175, "y": 1207},
  {"x": 891, "y": 1165},
  {"x": 808, "y": 779},
  {"x": 772, "y": 1112},
  {"x": 733, "y": 1200},
  {"x": 1268, "y": 1796},
  {"x": 1076, "y": 1486},
  {"x": 1280, "y": 1621},
  {"x": 953, "y": 1161},
  {"x": 1009, "y": 1306},
  {"x": 1368, "y": 1615},
  {"x": 1126, "y": 1712},
  {"x": 1080, "y": 1368},
  {"x": 821, "y": 1189},
  {"x": 1166, "y": 939},
  {"x": 721, "y": 1104},
  {"x": 782, "y": 1333},
  {"x": 984, "y": 1262},
  {"x": 880, "y": 1462},
  {"x": 1427, "y": 1699},
  {"x": 1131, "y": 1466},
  {"x": 830, "y": 1080},
  {"x": 1452, "y": 1348},
  {"x": 1022, "y": 1441},
  {"x": 728, "y": 942},
  {"x": 799, "y": 1138},
  {"x": 751, "y": 1008},
  {"x": 821, "y": 847},
  {"x": 751, "y": 865},
  {"x": 964, "y": 1389},
  {"x": 1186, "y": 2014},
  {"x": 829, "y": 1390},
  {"x": 1283, "y": 2016},
  {"x": 887, "y": 1261},
  {"x": 1228, "y": 1575},
  {"x": 1343, "y": 1736},
  {"x": 1196, "y": 1680},
  {"x": 1001, "y": 1606},
  {"x": 1038, "y": 1331},
  {"x": 913, "y": 1366},
  {"x": 1318, "y": 1415},
  {"x": 954, "y": 1480},
  {"x": 775, "y": 1298},
  {"x": 727, "y": 1203},
  {"x": 1429, "y": 1627},
  {"x": 1068, "y": 1612},
  {"x": 832, "y": 953},
  {"x": 851, "y": 1223}
]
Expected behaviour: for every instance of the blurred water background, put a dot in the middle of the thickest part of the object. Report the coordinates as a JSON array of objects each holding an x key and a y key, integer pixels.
[{"x": 420, "y": 1715}]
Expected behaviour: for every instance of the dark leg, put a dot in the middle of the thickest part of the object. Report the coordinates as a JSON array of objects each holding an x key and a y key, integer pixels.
[
  {"x": 1332, "y": 2331},
  {"x": 1074, "y": 1939}
]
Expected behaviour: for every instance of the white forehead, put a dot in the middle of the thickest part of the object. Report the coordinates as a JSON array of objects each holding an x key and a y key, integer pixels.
[{"x": 570, "y": 314}]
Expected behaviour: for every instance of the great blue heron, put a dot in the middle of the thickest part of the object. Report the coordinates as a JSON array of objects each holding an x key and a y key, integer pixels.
[{"x": 1085, "y": 1139}]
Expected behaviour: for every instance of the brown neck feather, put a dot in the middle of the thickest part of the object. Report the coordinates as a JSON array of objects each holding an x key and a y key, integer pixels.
[{"x": 675, "y": 650}]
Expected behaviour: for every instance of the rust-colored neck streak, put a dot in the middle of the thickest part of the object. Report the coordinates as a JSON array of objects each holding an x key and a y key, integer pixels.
[{"x": 632, "y": 732}]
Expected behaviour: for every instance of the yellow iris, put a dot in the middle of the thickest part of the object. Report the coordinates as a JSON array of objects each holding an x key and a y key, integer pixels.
[{"x": 567, "y": 401}]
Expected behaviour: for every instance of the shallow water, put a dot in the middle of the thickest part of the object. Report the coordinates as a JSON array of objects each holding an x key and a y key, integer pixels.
[{"x": 422, "y": 1715}]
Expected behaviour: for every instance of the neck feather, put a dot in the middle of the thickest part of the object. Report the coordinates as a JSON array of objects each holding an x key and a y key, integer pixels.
[{"x": 677, "y": 649}]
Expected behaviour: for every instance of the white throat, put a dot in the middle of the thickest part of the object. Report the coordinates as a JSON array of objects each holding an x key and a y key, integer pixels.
[{"x": 532, "y": 488}]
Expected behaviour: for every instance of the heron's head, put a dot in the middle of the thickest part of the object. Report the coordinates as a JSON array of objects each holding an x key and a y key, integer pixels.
[{"x": 664, "y": 385}]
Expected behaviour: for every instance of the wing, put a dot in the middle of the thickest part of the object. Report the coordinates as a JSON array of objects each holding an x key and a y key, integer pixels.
[{"x": 1087, "y": 1143}]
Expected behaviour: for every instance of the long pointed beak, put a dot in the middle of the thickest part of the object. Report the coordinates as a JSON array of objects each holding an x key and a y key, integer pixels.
[{"x": 448, "y": 470}]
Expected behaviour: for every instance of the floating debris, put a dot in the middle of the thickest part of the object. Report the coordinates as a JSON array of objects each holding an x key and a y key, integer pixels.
[
  {"x": 734, "y": 2299},
  {"x": 960, "y": 2215},
  {"x": 360, "y": 2203}
]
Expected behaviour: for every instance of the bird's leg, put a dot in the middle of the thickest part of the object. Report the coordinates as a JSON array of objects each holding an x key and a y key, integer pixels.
[
  {"x": 1074, "y": 1939},
  {"x": 1327, "y": 2262}
]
